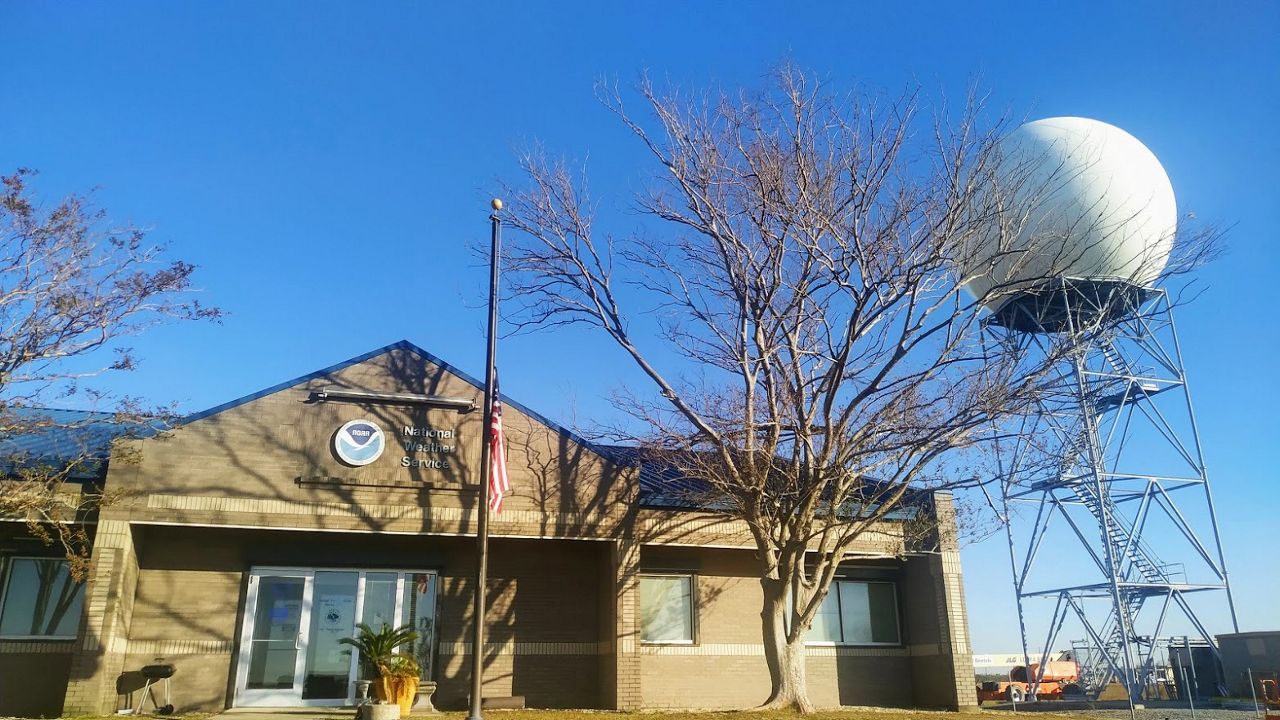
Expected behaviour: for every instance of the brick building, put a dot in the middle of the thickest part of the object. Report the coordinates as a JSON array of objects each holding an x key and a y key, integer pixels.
[{"x": 260, "y": 531}]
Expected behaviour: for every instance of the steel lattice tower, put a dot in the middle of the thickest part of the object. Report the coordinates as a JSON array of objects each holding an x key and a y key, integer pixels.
[{"x": 1106, "y": 481}]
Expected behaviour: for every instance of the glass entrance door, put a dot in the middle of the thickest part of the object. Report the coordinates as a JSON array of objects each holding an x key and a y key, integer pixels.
[
  {"x": 271, "y": 659},
  {"x": 327, "y": 670},
  {"x": 290, "y": 654}
]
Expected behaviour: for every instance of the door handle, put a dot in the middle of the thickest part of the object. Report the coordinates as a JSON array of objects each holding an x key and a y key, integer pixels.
[{"x": 297, "y": 641}]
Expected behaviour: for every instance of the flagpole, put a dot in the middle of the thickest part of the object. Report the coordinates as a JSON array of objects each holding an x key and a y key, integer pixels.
[{"x": 482, "y": 526}]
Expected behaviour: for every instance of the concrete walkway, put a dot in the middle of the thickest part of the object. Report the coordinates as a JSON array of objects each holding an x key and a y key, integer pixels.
[
  {"x": 306, "y": 713},
  {"x": 288, "y": 712}
]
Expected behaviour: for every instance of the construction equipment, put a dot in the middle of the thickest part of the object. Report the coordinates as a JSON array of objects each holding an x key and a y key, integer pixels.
[
  {"x": 1269, "y": 694},
  {"x": 1060, "y": 679}
]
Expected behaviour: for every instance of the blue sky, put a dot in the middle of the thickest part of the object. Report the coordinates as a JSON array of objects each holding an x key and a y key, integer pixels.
[{"x": 328, "y": 165}]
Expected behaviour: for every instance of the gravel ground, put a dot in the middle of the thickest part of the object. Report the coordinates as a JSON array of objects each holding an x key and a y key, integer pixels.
[
  {"x": 986, "y": 713},
  {"x": 1168, "y": 714},
  {"x": 1149, "y": 713}
]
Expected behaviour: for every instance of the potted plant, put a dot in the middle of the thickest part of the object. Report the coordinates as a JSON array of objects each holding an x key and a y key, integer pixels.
[
  {"x": 395, "y": 675},
  {"x": 400, "y": 677}
]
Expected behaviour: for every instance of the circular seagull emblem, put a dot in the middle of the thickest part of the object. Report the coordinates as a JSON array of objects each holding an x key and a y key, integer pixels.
[{"x": 358, "y": 442}]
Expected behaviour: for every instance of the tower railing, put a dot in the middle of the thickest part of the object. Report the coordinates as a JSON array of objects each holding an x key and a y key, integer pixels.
[{"x": 1112, "y": 444}]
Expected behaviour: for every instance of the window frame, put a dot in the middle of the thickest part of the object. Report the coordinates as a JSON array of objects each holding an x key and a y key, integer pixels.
[
  {"x": 6, "y": 574},
  {"x": 897, "y": 615},
  {"x": 693, "y": 640}
]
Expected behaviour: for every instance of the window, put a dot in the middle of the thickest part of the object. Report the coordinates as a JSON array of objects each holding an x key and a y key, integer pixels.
[
  {"x": 666, "y": 609},
  {"x": 857, "y": 613},
  {"x": 39, "y": 599},
  {"x": 419, "y": 608}
]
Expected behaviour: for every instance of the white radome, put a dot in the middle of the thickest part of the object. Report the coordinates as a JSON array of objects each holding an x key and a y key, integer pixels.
[{"x": 1082, "y": 199}]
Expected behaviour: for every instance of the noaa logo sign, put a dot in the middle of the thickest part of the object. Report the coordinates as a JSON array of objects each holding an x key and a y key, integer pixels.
[{"x": 359, "y": 442}]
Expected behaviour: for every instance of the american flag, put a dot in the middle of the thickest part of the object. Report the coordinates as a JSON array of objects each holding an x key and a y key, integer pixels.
[{"x": 499, "y": 481}]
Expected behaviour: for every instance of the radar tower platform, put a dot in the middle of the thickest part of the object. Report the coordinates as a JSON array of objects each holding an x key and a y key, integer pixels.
[{"x": 1105, "y": 495}]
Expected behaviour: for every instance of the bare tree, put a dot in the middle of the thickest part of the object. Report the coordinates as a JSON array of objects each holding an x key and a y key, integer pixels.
[
  {"x": 815, "y": 357},
  {"x": 72, "y": 288}
]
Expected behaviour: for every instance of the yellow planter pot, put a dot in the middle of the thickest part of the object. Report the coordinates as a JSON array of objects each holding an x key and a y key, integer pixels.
[
  {"x": 398, "y": 690},
  {"x": 406, "y": 691}
]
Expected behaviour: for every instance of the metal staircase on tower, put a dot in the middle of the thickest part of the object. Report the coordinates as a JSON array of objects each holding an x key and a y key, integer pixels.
[{"x": 1085, "y": 477}]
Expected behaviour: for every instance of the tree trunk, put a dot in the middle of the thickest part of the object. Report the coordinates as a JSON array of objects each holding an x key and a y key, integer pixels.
[{"x": 786, "y": 660}]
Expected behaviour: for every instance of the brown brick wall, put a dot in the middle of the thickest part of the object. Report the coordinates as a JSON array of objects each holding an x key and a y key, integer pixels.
[
  {"x": 98, "y": 656},
  {"x": 543, "y": 608},
  {"x": 607, "y": 624},
  {"x": 542, "y": 624},
  {"x": 937, "y": 621},
  {"x": 628, "y": 676},
  {"x": 726, "y": 668},
  {"x": 875, "y": 679},
  {"x": 186, "y": 609},
  {"x": 199, "y": 685},
  {"x": 33, "y": 684},
  {"x": 274, "y": 448},
  {"x": 554, "y": 636}
]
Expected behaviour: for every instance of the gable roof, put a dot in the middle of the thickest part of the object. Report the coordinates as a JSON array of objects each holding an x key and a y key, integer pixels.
[{"x": 406, "y": 346}]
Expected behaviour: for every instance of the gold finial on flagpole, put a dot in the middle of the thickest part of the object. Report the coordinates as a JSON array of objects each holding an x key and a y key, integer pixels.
[{"x": 496, "y": 204}]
